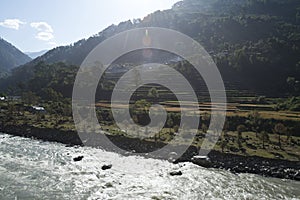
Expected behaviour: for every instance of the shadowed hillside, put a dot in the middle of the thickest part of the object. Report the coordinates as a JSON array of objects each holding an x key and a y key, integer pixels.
[
  {"x": 10, "y": 57},
  {"x": 255, "y": 43}
]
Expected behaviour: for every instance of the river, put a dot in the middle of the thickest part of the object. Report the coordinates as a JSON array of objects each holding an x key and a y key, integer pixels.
[{"x": 32, "y": 169}]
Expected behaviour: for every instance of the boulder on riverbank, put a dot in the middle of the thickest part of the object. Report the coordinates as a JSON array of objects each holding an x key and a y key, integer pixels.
[{"x": 203, "y": 161}]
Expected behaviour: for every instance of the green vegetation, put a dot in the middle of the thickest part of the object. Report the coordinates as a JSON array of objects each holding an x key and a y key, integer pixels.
[
  {"x": 292, "y": 104},
  {"x": 16, "y": 113},
  {"x": 272, "y": 139}
]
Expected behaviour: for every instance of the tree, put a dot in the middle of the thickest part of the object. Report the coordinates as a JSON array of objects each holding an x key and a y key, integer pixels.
[
  {"x": 240, "y": 59},
  {"x": 11, "y": 108},
  {"x": 30, "y": 98},
  {"x": 2, "y": 94},
  {"x": 239, "y": 141},
  {"x": 288, "y": 135},
  {"x": 292, "y": 83},
  {"x": 153, "y": 94},
  {"x": 176, "y": 128},
  {"x": 223, "y": 145},
  {"x": 52, "y": 95},
  {"x": 140, "y": 106},
  {"x": 254, "y": 122},
  {"x": 205, "y": 117},
  {"x": 170, "y": 123},
  {"x": 279, "y": 129},
  {"x": 204, "y": 128},
  {"x": 139, "y": 110},
  {"x": 264, "y": 136},
  {"x": 240, "y": 129}
]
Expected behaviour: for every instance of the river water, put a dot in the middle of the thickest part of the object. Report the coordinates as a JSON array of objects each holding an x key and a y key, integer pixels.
[{"x": 32, "y": 169}]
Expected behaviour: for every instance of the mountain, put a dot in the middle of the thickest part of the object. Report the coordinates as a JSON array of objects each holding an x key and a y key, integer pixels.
[
  {"x": 34, "y": 55},
  {"x": 10, "y": 57},
  {"x": 255, "y": 43}
]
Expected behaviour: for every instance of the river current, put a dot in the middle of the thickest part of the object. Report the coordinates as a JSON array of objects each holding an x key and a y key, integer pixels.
[{"x": 33, "y": 169}]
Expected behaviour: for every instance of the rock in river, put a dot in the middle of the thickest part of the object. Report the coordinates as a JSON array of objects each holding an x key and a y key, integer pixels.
[
  {"x": 105, "y": 167},
  {"x": 78, "y": 158},
  {"x": 176, "y": 173}
]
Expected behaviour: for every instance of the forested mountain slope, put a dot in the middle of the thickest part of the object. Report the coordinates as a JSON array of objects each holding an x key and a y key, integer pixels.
[
  {"x": 10, "y": 57},
  {"x": 255, "y": 43}
]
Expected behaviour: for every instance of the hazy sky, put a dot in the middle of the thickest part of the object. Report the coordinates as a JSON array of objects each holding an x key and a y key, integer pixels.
[{"x": 33, "y": 25}]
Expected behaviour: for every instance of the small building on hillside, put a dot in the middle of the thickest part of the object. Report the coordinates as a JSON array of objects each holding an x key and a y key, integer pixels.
[{"x": 37, "y": 109}]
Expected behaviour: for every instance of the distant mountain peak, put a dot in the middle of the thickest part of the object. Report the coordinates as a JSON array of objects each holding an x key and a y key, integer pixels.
[
  {"x": 10, "y": 57},
  {"x": 36, "y": 54}
]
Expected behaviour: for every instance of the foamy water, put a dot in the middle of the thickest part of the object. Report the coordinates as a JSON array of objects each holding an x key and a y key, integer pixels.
[{"x": 31, "y": 169}]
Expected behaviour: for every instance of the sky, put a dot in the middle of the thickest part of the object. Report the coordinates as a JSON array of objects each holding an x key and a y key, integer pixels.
[{"x": 33, "y": 25}]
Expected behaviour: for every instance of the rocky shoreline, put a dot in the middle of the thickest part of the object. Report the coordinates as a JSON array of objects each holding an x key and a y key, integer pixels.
[
  {"x": 234, "y": 163},
  {"x": 256, "y": 165}
]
